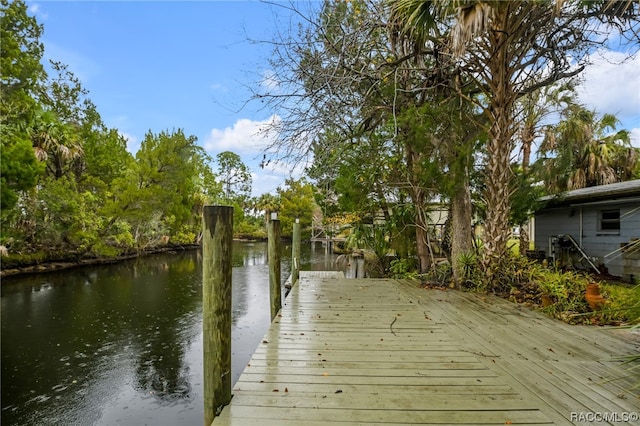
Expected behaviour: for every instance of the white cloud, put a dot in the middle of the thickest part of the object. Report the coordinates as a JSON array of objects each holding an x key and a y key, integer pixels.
[
  {"x": 612, "y": 85},
  {"x": 246, "y": 136},
  {"x": 250, "y": 139},
  {"x": 273, "y": 175},
  {"x": 35, "y": 10},
  {"x": 268, "y": 178},
  {"x": 132, "y": 142},
  {"x": 635, "y": 137},
  {"x": 265, "y": 183}
]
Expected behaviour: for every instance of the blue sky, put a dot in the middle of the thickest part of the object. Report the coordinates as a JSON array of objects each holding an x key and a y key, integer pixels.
[{"x": 168, "y": 65}]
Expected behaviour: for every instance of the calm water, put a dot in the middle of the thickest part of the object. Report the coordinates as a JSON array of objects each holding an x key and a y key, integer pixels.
[{"x": 122, "y": 344}]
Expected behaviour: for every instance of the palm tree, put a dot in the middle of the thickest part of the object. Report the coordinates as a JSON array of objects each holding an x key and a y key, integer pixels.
[
  {"x": 533, "y": 110},
  {"x": 510, "y": 48},
  {"x": 54, "y": 142},
  {"x": 266, "y": 203},
  {"x": 585, "y": 149},
  {"x": 496, "y": 27}
]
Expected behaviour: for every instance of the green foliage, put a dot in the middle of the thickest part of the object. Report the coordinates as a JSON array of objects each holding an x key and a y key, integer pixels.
[
  {"x": 20, "y": 67},
  {"x": 440, "y": 275},
  {"x": 250, "y": 230},
  {"x": 19, "y": 168},
  {"x": 234, "y": 175},
  {"x": 373, "y": 237},
  {"x": 403, "y": 268},
  {"x": 622, "y": 306},
  {"x": 470, "y": 270},
  {"x": 68, "y": 184},
  {"x": 525, "y": 198},
  {"x": 566, "y": 290},
  {"x": 296, "y": 202},
  {"x": 528, "y": 282},
  {"x": 157, "y": 193},
  {"x": 16, "y": 259},
  {"x": 183, "y": 236},
  {"x": 585, "y": 149},
  {"x": 20, "y": 76},
  {"x": 56, "y": 144},
  {"x": 105, "y": 156}
]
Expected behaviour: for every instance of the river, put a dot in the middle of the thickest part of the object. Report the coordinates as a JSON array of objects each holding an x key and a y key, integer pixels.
[{"x": 122, "y": 344}]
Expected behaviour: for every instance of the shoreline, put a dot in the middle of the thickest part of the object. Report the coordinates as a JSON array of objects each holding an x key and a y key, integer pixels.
[
  {"x": 58, "y": 265},
  {"x": 62, "y": 264}
]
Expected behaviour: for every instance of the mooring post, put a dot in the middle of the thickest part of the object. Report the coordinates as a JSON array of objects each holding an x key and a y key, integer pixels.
[
  {"x": 217, "y": 236},
  {"x": 273, "y": 249},
  {"x": 295, "y": 253},
  {"x": 360, "y": 267}
]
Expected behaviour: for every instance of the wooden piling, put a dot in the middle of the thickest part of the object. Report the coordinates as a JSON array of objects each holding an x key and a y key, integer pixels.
[
  {"x": 360, "y": 267},
  {"x": 273, "y": 249},
  {"x": 217, "y": 236},
  {"x": 295, "y": 253}
]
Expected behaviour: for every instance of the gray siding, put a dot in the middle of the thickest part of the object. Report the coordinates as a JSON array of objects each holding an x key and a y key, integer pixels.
[
  {"x": 555, "y": 222},
  {"x": 602, "y": 245}
]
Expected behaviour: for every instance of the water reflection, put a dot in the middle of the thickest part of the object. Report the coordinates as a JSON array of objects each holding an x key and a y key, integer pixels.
[{"x": 122, "y": 343}]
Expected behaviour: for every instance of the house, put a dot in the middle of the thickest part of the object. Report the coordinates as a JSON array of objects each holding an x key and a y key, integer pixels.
[{"x": 595, "y": 228}]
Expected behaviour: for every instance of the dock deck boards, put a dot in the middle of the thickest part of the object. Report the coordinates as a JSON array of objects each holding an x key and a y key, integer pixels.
[{"x": 364, "y": 351}]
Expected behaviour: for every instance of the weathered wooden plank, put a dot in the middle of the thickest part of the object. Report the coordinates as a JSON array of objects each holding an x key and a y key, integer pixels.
[
  {"x": 380, "y": 402},
  {"x": 486, "y": 398},
  {"x": 552, "y": 361},
  {"x": 413, "y": 391},
  {"x": 308, "y": 275},
  {"x": 386, "y": 372},
  {"x": 387, "y": 352},
  {"x": 349, "y": 356},
  {"x": 426, "y": 348},
  {"x": 585, "y": 393},
  {"x": 372, "y": 416},
  {"x": 433, "y": 332},
  {"x": 327, "y": 378},
  {"x": 368, "y": 365},
  {"x": 281, "y": 422}
]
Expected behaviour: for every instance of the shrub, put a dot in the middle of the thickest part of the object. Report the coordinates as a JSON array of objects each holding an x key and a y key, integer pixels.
[
  {"x": 566, "y": 291},
  {"x": 402, "y": 268}
]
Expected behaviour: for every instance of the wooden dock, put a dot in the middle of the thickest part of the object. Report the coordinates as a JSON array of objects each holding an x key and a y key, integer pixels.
[{"x": 364, "y": 351}]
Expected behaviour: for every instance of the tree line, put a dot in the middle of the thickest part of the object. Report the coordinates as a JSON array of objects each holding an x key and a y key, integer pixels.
[
  {"x": 399, "y": 103},
  {"x": 71, "y": 189},
  {"x": 407, "y": 103}
]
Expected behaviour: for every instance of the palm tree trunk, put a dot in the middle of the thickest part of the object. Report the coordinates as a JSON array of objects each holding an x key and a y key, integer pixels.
[{"x": 498, "y": 172}]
